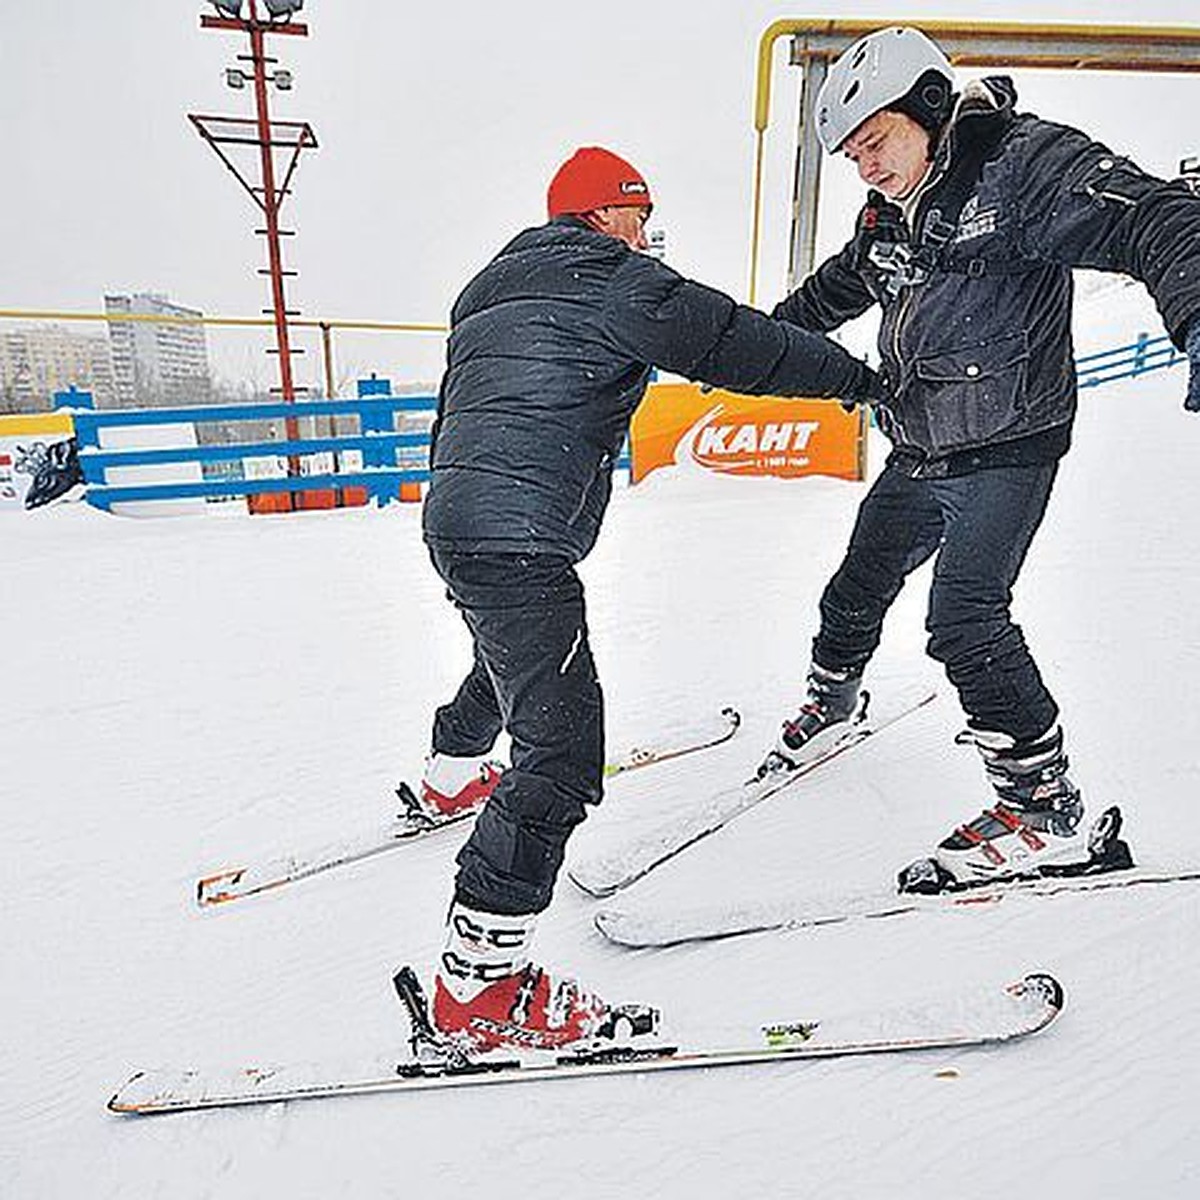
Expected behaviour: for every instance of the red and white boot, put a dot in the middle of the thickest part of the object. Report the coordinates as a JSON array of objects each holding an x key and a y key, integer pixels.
[
  {"x": 487, "y": 995},
  {"x": 454, "y": 785}
]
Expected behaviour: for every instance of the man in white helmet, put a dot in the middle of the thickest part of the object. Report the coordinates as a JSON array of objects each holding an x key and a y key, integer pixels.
[{"x": 975, "y": 217}]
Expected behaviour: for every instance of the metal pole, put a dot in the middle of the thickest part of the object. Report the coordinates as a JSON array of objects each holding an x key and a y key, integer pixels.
[
  {"x": 327, "y": 351},
  {"x": 330, "y": 387},
  {"x": 271, "y": 201},
  {"x": 802, "y": 254}
]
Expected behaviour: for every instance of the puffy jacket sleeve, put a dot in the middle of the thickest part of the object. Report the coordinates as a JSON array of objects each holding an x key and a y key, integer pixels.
[
  {"x": 1084, "y": 206},
  {"x": 832, "y": 295},
  {"x": 698, "y": 332}
]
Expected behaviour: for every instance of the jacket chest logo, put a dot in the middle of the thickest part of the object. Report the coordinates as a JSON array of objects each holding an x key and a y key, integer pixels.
[{"x": 974, "y": 222}]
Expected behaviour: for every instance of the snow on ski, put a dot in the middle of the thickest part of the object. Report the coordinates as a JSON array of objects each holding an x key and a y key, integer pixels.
[
  {"x": 603, "y": 875},
  {"x": 972, "y": 1018},
  {"x": 643, "y": 926},
  {"x": 234, "y": 883}
]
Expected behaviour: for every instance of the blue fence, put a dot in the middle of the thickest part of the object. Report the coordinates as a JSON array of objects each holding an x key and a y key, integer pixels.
[
  {"x": 390, "y": 457},
  {"x": 1146, "y": 354}
]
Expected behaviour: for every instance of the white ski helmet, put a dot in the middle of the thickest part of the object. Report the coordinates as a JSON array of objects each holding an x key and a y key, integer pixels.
[{"x": 877, "y": 71}]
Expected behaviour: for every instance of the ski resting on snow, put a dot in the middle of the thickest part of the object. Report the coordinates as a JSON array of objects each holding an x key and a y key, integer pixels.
[
  {"x": 605, "y": 874},
  {"x": 642, "y": 926},
  {"x": 972, "y": 1018},
  {"x": 250, "y": 879}
]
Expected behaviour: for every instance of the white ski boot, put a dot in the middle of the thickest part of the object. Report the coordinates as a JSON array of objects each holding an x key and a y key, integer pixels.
[{"x": 1036, "y": 828}]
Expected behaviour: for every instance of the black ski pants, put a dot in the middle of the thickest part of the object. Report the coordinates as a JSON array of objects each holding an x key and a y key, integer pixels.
[
  {"x": 533, "y": 676},
  {"x": 980, "y": 526}
]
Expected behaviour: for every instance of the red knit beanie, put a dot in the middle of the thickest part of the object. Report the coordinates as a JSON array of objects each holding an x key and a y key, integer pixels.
[{"x": 595, "y": 178}]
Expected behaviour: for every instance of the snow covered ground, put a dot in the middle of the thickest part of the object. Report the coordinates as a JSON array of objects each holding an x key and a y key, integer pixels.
[{"x": 181, "y": 693}]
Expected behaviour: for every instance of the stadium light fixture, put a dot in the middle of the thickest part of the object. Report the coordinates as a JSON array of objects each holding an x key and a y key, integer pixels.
[
  {"x": 228, "y": 8},
  {"x": 235, "y": 77},
  {"x": 283, "y": 8}
]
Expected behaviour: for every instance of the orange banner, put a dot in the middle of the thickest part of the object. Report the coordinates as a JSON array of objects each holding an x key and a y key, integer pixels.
[{"x": 677, "y": 424}]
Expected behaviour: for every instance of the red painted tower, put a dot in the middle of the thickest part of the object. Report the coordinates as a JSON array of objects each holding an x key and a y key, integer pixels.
[{"x": 268, "y": 191}]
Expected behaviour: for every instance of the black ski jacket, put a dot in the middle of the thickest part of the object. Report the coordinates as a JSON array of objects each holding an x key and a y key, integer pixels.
[
  {"x": 551, "y": 347},
  {"x": 975, "y": 336}
]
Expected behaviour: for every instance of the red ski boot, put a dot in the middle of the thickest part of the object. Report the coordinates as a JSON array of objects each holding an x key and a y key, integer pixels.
[
  {"x": 488, "y": 995},
  {"x": 453, "y": 785}
]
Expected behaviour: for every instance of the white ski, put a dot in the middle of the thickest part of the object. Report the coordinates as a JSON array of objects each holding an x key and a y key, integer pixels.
[
  {"x": 702, "y": 735},
  {"x": 604, "y": 874},
  {"x": 234, "y": 883},
  {"x": 969, "y": 1019},
  {"x": 641, "y": 926},
  {"x": 237, "y": 882}
]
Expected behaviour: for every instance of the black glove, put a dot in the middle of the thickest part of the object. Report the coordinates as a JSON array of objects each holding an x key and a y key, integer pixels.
[
  {"x": 1192, "y": 345},
  {"x": 880, "y": 223},
  {"x": 884, "y": 250},
  {"x": 870, "y": 388}
]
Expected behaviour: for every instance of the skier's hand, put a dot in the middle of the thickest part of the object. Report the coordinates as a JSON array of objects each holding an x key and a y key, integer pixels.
[
  {"x": 880, "y": 225},
  {"x": 870, "y": 389},
  {"x": 1192, "y": 400}
]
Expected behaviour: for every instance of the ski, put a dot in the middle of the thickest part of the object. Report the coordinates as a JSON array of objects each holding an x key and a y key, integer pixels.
[
  {"x": 702, "y": 736},
  {"x": 235, "y": 883},
  {"x": 971, "y": 1018},
  {"x": 642, "y": 927},
  {"x": 605, "y": 874}
]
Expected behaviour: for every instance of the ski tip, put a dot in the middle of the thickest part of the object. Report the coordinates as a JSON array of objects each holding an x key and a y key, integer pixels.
[
  {"x": 732, "y": 715},
  {"x": 608, "y": 925},
  {"x": 1043, "y": 988},
  {"x": 215, "y": 889},
  {"x": 590, "y": 887},
  {"x": 123, "y": 1101}
]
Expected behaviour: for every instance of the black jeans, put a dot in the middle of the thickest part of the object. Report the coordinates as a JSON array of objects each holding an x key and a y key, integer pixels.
[
  {"x": 980, "y": 525},
  {"x": 533, "y": 676}
]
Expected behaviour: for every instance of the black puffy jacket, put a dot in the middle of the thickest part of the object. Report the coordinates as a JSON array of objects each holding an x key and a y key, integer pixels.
[
  {"x": 550, "y": 350},
  {"x": 978, "y": 356}
]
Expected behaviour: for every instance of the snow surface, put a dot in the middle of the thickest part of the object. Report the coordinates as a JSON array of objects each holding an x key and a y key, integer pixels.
[{"x": 184, "y": 692}]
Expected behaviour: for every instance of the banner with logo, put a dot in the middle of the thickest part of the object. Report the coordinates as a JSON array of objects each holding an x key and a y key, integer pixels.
[
  {"x": 38, "y": 461},
  {"x": 730, "y": 434}
]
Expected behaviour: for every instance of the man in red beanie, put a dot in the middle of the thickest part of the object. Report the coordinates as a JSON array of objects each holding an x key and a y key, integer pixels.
[
  {"x": 605, "y": 191},
  {"x": 551, "y": 347}
]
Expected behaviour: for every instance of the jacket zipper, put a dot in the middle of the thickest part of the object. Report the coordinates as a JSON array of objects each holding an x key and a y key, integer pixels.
[{"x": 927, "y": 188}]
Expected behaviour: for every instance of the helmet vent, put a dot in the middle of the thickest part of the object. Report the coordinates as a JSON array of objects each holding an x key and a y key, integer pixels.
[{"x": 850, "y": 92}]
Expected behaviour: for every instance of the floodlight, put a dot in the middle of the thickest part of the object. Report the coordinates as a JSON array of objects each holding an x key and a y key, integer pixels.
[
  {"x": 283, "y": 80},
  {"x": 283, "y": 8},
  {"x": 231, "y": 8},
  {"x": 234, "y": 77}
]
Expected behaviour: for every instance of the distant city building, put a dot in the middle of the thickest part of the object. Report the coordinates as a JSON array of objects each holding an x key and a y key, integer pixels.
[
  {"x": 38, "y": 360},
  {"x": 157, "y": 364}
]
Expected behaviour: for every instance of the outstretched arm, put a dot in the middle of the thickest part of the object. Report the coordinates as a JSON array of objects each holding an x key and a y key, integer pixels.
[
  {"x": 1084, "y": 206},
  {"x": 832, "y": 295},
  {"x": 700, "y": 333}
]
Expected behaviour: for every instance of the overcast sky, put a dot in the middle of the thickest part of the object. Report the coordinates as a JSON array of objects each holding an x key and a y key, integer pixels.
[{"x": 439, "y": 126}]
